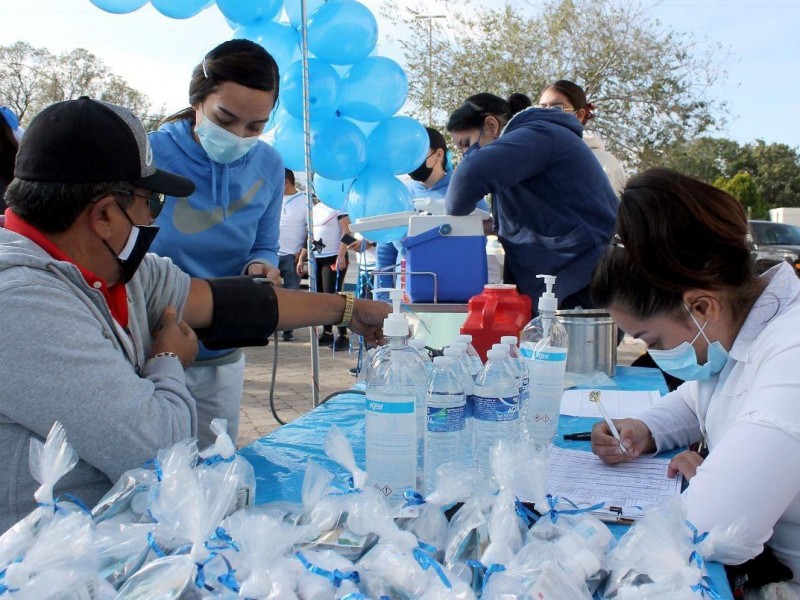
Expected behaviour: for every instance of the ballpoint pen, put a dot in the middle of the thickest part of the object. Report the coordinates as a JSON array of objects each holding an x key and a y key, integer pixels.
[{"x": 594, "y": 396}]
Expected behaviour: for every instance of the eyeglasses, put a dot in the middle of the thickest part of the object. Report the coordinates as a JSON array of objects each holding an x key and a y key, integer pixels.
[
  {"x": 555, "y": 106},
  {"x": 155, "y": 201}
]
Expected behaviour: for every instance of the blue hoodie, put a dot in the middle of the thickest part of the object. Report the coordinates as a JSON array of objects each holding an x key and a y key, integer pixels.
[
  {"x": 553, "y": 206},
  {"x": 233, "y": 217}
]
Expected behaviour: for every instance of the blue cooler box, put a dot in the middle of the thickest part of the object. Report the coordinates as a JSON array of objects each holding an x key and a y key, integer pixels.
[{"x": 454, "y": 248}]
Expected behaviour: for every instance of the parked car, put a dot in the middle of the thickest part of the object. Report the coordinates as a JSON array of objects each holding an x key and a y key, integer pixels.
[{"x": 775, "y": 243}]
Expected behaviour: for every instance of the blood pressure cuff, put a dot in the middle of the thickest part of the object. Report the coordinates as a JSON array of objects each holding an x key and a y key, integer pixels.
[{"x": 245, "y": 313}]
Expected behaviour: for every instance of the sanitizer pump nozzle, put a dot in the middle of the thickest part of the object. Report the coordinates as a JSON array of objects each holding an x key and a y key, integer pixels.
[
  {"x": 396, "y": 324},
  {"x": 548, "y": 301}
]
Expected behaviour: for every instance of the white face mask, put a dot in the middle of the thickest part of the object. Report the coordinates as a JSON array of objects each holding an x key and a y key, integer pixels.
[{"x": 221, "y": 145}]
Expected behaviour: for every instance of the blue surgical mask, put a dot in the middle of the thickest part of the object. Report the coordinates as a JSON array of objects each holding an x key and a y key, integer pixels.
[
  {"x": 681, "y": 361},
  {"x": 475, "y": 146},
  {"x": 221, "y": 145}
]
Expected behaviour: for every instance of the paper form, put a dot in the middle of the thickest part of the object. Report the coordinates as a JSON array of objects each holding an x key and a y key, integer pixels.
[
  {"x": 619, "y": 404},
  {"x": 632, "y": 486}
]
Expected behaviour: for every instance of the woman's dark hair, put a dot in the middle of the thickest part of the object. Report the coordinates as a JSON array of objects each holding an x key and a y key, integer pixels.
[
  {"x": 674, "y": 234},
  {"x": 518, "y": 102},
  {"x": 472, "y": 113},
  {"x": 240, "y": 61},
  {"x": 575, "y": 95}
]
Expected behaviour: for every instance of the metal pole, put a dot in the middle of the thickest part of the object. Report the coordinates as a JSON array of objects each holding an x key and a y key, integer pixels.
[
  {"x": 312, "y": 263},
  {"x": 429, "y": 95}
]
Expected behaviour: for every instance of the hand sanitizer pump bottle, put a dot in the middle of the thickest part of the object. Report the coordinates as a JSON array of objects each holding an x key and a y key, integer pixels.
[
  {"x": 396, "y": 383},
  {"x": 543, "y": 345}
]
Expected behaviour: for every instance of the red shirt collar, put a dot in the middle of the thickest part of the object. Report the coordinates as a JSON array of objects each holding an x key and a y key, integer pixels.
[{"x": 115, "y": 295}]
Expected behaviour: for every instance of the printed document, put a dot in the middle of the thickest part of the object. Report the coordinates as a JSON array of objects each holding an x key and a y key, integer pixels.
[
  {"x": 627, "y": 489},
  {"x": 619, "y": 404}
]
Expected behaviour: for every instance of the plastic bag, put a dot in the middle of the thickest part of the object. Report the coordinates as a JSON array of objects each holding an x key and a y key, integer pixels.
[
  {"x": 223, "y": 450},
  {"x": 338, "y": 448},
  {"x": 120, "y": 502},
  {"x": 49, "y": 462},
  {"x": 467, "y": 533},
  {"x": 327, "y": 575},
  {"x": 121, "y": 549}
]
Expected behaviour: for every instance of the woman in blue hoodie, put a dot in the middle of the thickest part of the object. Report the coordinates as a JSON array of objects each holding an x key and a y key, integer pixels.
[
  {"x": 229, "y": 225},
  {"x": 551, "y": 201}
]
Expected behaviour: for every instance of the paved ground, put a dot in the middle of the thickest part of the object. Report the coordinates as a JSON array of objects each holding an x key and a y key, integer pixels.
[{"x": 293, "y": 396}]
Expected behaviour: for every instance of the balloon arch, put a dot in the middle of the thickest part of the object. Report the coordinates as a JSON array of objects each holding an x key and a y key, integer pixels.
[{"x": 336, "y": 116}]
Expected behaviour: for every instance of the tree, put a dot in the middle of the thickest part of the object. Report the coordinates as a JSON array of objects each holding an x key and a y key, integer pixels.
[
  {"x": 774, "y": 168},
  {"x": 742, "y": 187},
  {"x": 649, "y": 84},
  {"x": 31, "y": 78}
]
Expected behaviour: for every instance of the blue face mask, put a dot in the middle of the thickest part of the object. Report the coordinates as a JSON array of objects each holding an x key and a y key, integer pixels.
[
  {"x": 475, "y": 146},
  {"x": 681, "y": 361},
  {"x": 221, "y": 145}
]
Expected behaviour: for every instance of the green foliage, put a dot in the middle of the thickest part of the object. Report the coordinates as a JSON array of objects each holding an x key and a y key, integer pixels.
[
  {"x": 648, "y": 83},
  {"x": 773, "y": 168},
  {"x": 742, "y": 187},
  {"x": 32, "y": 78}
]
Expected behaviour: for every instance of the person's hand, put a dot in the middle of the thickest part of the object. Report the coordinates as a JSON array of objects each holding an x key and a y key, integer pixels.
[
  {"x": 175, "y": 336},
  {"x": 633, "y": 433},
  {"x": 685, "y": 463},
  {"x": 341, "y": 260},
  {"x": 264, "y": 270},
  {"x": 367, "y": 320}
]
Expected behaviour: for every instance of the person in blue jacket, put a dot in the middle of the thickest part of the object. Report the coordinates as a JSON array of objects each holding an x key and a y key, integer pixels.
[
  {"x": 230, "y": 224},
  {"x": 553, "y": 207}
]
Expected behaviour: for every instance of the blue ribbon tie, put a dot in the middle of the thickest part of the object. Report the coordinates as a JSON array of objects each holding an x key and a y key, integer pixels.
[
  {"x": 697, "y": 537},
  {"x": 153, "y": 462},
  {"x": 221, "y": 540},
  {"x": 526, "y": 514},
  {"x": 413, "y": 498},
  {"x": 483, "y": 573},
  {"x": 553, "y": 501},
  {"x": 707, "y": 589},
  {"x": 336, "y": 577},
  {"x": 424, "y": 556}
]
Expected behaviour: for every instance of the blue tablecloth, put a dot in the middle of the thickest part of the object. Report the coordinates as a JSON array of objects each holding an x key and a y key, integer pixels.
[{"x": 279, "y": 458}]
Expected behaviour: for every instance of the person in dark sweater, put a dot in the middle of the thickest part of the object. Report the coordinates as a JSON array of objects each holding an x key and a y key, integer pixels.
[{"x": 553, "y": 207}]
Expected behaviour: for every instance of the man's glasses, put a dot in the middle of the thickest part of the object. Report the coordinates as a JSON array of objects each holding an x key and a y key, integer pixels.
[{"x": 155, "y": 201}]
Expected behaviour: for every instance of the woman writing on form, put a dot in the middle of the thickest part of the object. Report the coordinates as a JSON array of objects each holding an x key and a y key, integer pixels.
[{"x": 680, "y": 275}]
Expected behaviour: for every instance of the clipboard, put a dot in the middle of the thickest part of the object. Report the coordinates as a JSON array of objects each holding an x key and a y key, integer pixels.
[{"x": 627, "y": 490}]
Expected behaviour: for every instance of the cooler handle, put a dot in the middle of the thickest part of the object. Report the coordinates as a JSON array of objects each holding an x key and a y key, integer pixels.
[{"x": 427, "y": 236}]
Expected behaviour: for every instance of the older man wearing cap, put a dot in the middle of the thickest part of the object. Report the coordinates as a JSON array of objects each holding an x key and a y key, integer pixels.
[{"x": 95, "y": 332}]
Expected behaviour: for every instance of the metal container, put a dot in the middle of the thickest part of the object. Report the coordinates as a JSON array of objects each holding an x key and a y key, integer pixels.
[{"x": 592, "y": 341}]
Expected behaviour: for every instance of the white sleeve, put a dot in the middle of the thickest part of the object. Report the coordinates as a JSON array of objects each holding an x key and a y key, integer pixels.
[
  {"x": 672, "y": 422},
  {"x": 747, "y": 482}
]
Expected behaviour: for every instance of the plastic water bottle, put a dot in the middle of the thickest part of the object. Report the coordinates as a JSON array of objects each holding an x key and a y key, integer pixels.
[
  {"x": 446, "y": 412},
  {"x": 461, "y": 368},
  {"x": 496, "y": 411},
  {"x": 473, "y": 355},
  {"x": 395, "y": 411},
  {"x": 524, "y": 390},
  {"x": 543, "y": 345},
  {"x": 418, "y": 344}
]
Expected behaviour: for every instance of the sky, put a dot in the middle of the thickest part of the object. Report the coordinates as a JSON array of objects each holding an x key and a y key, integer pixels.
[{"x": 156, "y": 54}]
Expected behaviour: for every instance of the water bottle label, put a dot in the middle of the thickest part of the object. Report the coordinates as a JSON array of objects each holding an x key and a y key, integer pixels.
[
  {"x": 550, "y": 354},
  {"x": 392, "y": 408},
  {"x": 496, "y": 409},
  {"x": 470, "y": 403},
  {"x": 446, "y": 420}
]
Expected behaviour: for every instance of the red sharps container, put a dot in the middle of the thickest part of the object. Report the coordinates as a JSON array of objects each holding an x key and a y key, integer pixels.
[{"x": 497, "y": 311}]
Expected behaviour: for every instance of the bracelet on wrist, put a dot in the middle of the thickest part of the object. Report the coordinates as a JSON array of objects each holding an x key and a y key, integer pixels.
[
  {"x": 167, "y": 354},
  {"x": 349, "y": 303}
]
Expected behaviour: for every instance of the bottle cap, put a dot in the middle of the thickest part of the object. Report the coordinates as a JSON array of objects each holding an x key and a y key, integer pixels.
[
  {"x": 417, "y": 343},
  {"x": 548, "y": 301},
  {"x": 501, "y": 346},
  {"x": 461, "y": 345},
  {"x": 496, "y": 353},
  {"x": 454, "y": 352},
  {"x": 444, "y": 362},
  {"x": 511, "y": 340},
  {"x": 464, "y": 337}
]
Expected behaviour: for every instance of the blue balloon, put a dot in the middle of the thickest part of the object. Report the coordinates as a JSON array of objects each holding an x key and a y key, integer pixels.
[
  {"x": 398, "y": 145},
  {"x": 290, "y": 143},
  {"x": 119, "y": 7},
  {"x": 342, "y": 32},
  {"x": 179, "y": 9},
  {"x": 324, "y": 88},
  {"x": 280, "y": 40},
  {"x": 333, "y": 193},
  {"x": 249, "y": 12},
  {"x": 293, "y": 10},
  {"x": 338, "y": 148},
  {"x": 373, "y": 89},
  {"x": 376, "y": 192}
]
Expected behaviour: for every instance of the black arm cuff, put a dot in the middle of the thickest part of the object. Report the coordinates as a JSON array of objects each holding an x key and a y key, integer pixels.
[{"x": 245, "y": 313}]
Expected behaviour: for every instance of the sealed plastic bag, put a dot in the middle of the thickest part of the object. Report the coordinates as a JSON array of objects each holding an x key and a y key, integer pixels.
[
  {"x": 327, "y": 575},
  {"x": 223, "y": 450}
]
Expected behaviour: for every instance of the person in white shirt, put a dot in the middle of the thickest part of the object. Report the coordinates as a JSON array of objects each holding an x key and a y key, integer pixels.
[
  {"x": 680, "y": 275},
  {"x": 293, "y": 235},
  {"x": 331, "y": 237},
  {"x": 570, "y": 97}
]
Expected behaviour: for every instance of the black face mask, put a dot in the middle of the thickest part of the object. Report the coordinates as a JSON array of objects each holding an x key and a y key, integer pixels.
[
  {"x": 423, "y": 172},
  {"x": 132, "y": 254}
]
